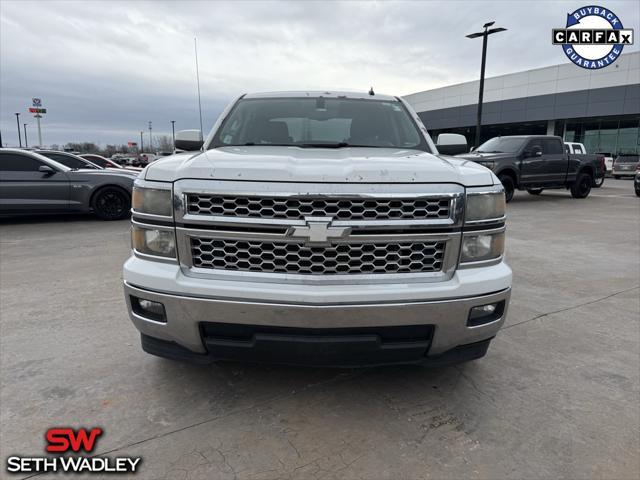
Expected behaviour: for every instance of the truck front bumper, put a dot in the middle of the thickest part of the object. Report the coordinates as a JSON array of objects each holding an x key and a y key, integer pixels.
[{"x": 337, "y": 326}]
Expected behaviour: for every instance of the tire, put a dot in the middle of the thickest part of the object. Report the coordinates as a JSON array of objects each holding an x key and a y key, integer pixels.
[
  {"x": 509, "y": 187},
  {"x": 111, "y": 203},
  {"x": 617, "y": 177},
  {"x": 582, "y": 186},
  {"x": 534, "y": 191},
  {"x": 638, "y": 192}
]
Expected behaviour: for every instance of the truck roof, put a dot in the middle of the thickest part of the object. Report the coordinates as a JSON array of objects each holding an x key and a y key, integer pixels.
[{"x": 323, "y": 93}]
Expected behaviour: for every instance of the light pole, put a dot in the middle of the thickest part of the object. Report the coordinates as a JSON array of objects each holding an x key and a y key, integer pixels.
[
  {"x": 141, "y": 142},
  {"x": 173, "y": 133},
  {"x": 150, "y": 140},
  {"x": 18, "y": 122},
  {"x": 484, "y": 36},
  {"x": 26, "y": 142}
]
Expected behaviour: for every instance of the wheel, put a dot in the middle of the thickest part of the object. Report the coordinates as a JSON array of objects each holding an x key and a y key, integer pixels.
[
  {"x": 598, "y": 182},
  {"x": 582, "y": 186},
  {"x": 111, "y": 203},
  {"x": 638, "y": 192},
  {"x": 534, "y": 191},
  {"x": 509, "y": 187},
  {"x": 617, "y": 177}
]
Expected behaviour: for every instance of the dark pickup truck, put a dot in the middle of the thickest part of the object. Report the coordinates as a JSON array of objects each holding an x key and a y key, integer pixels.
[{"x": 536, "y": 163}]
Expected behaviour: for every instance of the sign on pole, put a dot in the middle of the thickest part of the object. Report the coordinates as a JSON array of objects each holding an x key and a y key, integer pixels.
[{"x": 37, "y": 110}]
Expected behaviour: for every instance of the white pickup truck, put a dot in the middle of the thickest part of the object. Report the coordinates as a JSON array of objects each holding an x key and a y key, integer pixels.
[{"x": 318, "y": 228}]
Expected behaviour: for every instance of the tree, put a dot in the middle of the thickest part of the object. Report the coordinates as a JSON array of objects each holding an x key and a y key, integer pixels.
[{"x": 164, "y": 142}]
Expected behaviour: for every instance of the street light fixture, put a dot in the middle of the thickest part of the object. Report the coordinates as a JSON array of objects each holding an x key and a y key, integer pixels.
[
  {"x": 484, "y": 36},
  {"x": 18, "y": 122},
  {"x": 26, "y": 142},
  {"x": 173, "y": 133}
]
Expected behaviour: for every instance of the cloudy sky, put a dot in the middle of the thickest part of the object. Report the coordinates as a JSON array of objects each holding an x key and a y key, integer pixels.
[{"x": 104, "y": 69}]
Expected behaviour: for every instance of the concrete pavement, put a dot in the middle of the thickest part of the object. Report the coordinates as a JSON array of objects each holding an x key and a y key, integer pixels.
[{"x": 558, "y": 394}]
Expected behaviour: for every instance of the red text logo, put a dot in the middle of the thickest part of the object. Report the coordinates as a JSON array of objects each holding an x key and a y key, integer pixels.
[{"x": 64, "y": 439}]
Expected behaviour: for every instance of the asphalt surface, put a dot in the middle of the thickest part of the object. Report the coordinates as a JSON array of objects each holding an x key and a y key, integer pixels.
[{"x": 557, "y": 396}]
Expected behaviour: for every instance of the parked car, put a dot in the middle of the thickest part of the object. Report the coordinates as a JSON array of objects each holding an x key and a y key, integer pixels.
[
  {"x": 146, "y": 158},
  {"x": 625, "y": 165},
  {"x": 105, "y": 162},
  {"x": 608, "y": 161},
  {"x": 347, "y": 242},
  {"x": 574, "y": 148},
  {"x": 31, "y": 183},
  {"x": 535, "y": 163}
]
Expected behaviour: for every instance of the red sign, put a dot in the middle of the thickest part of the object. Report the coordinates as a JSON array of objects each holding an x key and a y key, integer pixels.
[
  {"x": 37, "y": 110},
  {"x": 65, "y": 439}
]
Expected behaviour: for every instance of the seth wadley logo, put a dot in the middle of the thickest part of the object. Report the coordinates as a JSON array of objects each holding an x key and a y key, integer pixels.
[
  {"x": 593, "y": 37},
  {"x": 65, "y": 440}
]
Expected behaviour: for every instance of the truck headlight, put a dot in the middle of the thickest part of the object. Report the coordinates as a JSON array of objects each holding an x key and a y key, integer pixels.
[
  {"x": 153, "y": 241},
  {"x": 482, "y": 246},
  {"x": 152, "y": 200},
  {"x": 485, "y": 204}
]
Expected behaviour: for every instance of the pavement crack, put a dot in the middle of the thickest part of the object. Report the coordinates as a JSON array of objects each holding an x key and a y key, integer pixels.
[{"x": 573, "y": 307}]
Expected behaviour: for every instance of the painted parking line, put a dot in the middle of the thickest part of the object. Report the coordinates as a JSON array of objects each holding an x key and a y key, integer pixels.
[{"x": 626, "y": 195}]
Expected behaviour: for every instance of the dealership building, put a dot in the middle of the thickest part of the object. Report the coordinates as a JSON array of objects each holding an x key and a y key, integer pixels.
[{"x": 600, "y": 108}]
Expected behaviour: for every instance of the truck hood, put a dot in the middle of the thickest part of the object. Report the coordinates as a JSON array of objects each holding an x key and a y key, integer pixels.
[
  {"x": 319, "y": 165},
  {"x": 479, "y": 157}
]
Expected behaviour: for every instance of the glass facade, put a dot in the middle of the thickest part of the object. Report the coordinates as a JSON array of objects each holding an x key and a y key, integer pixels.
[{"x": 614, "y": 135}]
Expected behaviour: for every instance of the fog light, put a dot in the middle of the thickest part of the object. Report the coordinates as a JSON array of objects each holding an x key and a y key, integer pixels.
[
  {"x": 149, "y": 309},
  {"x": 485, "y": 314}
]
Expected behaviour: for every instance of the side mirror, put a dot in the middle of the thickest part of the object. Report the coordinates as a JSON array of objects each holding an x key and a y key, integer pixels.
[
  {"x": 536, "y": 151},
  {"x": 451, "y": 144},
  {"x": 46, "y": 169},
  {"x": 189, "y": 140}
]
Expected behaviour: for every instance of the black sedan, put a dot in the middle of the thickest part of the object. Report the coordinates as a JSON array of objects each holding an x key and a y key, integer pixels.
[{"x": 31, "y": 183}]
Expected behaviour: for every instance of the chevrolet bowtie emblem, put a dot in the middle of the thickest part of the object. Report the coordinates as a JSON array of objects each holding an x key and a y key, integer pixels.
[{"x": 318, "y": 231}]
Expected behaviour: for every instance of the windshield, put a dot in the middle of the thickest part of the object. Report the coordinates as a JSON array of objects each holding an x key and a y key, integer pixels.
[
  {"x": 69, "y": 160},
  {"x": 501, "y": 145},
  {"x": 320, "y": 122},
  {"x": 100, "y": 161},
  {"x": 627, "y": 159}
]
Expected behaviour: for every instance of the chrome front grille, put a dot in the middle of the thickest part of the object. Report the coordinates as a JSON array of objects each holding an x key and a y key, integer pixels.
[
  {"x": 294, "y": 208},
  {"x": 296, "y": 258},
  {"x": 319, "y": 234}
]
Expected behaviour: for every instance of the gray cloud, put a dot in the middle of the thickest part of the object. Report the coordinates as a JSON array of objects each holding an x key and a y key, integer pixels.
[{"x": 105, "y": 69}]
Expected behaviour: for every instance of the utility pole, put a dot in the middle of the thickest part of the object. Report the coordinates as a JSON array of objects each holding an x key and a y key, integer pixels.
[
  {"x": 485, "y": 34},
  {"x": 18, "y": 122},
  {"x": 173, "y": 133},
  {"x": 26, "y": 142},
  {"x": 141, "y": 142},
  {"x": 195, "y": 46},
  {"x": 38, "y": 117},
  {"x": 150, "y": 140}
]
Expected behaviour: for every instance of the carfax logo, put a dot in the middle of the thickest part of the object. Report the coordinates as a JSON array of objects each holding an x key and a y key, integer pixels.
[{"x": 593, "y": 38}]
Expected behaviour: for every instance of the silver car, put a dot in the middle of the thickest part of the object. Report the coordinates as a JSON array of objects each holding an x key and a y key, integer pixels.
[{"x": 31, "y": 183}]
